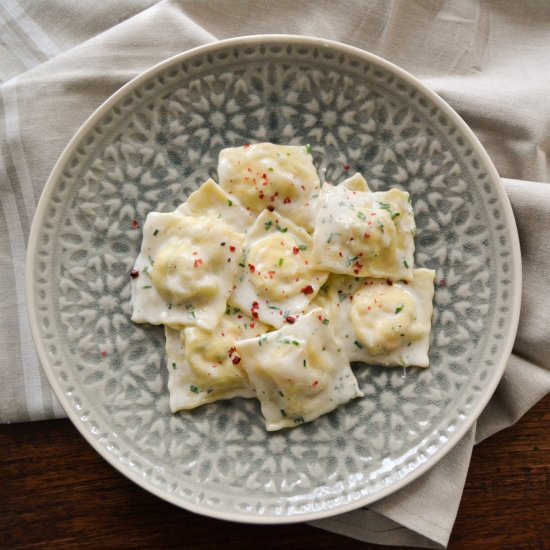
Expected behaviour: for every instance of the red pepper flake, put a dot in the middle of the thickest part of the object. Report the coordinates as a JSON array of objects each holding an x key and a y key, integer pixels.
[
  {"x": 104, "y": 354},
  {"x": 271, "y": 274},
  {"x": 232, "y": 248},
  {"x": 389, "y": 282},
  {"x": 346, "y": 167},
  {"x": 254, "y": 310},
  {"x": 246, "y": 145},
  {"x": 251, "y": 268},
  {"x": 197, "y": 262},
  {"x": 307, "y": 290},
  {"x": 264, "y": 176},
  {"x": 236, "y": 360},
  {"x": 134, "y": 273},
  {"x": 251, "y": 325},
  {"x": 315, "y": 383},
  {"x": 231, "y": 351},
  {"x": 442, "y": 283},
  {"x": 261, "y": 195},
  {"x": 366, "y": 236},
  {"x": 287, "y": 200},
  {"x": 135, "y": 224},
  {"x": 270, "y": 207},
  {"x": 295, "y": 250},
  {"x": 340, "y": 254},
  {"x": 290, "y": 320}
]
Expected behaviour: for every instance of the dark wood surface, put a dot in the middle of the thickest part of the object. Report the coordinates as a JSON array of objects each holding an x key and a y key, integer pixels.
[{"x": 56, "y": 492}]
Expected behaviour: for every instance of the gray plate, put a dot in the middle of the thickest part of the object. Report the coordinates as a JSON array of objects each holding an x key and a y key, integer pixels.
[{"x": 154, "y": 142}]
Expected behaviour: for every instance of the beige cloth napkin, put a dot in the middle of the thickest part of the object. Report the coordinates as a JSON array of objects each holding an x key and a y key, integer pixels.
[{"x": 489, "y": 61}]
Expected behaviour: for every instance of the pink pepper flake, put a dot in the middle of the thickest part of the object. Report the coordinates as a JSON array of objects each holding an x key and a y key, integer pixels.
[
  {"x": 103, "y": 354},
  {"x": 346, "y": 167},
  {"x": 134, "y": 224},
  {"x": 290, "y": 320},
  {"x": 307, "y": 290},
  {"x": 442, "y": 283},
  {"x": 134, "y": 273}
]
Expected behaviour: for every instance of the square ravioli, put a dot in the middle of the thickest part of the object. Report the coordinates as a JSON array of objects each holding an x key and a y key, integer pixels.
[
  {"x": 299, "y": 372},
  {"x": 212, "y": 201},
  {"x": 266, "y": 175},
  {"x": 203, "y": 366},
  {"x": 185, "y": 270},
  {"x": 275, "y": 281},
  {"x": 364, "y": 234},
  {"x": 379, "y": 321}
]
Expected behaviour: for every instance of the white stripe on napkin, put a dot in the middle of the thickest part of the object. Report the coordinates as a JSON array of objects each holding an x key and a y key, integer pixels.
[
  {"x": 11, "y": 109},
  {"x": 29, "y": 360},
  {"x": 41, "y": 40},
  {"x": 17, "y": 46}
]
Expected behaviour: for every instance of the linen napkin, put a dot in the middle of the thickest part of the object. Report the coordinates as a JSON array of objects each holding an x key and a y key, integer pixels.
[{"x": 487, "y": 60}]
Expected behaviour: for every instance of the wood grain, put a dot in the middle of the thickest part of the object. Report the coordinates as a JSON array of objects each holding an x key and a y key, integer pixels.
[{"x": 56, "y": 492}]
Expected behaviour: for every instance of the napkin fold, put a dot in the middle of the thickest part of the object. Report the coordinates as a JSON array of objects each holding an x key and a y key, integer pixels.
[{"x": 487, "y": 60}]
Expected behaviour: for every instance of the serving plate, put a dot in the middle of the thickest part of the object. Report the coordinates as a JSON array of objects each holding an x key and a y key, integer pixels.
[{"x": 150, "y": 145}]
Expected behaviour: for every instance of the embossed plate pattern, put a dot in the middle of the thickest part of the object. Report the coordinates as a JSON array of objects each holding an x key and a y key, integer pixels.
[{"x": 154, "y": 142}]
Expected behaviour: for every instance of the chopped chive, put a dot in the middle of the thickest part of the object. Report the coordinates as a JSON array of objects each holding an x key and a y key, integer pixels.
[
  {"x": 241, "y": 264},
  {"x": 302, "y": 247},
  {"x": 361, "y": 216},
  {"x": 305, "y": 365},
  {"x": 394, "y": 215},
  {"x": 326, "y": 321},
  {"x": 268, "y": 224},
  {"x": 280, "y": 261},
  {"x": 281, "y": 393},
  {"x": 283, "y": 413},
  {"x": 155, "y": 232},
  {"x": 273, "y": 307},
  {"x": 229, "y": 202},
  {"x": 342, "y": 297},
  {"x": 194, "y": 389},
  {"x": 147, "y": 286},
  {"x": 406, "y": 264},
  {"x": 399, "y": 309},
  {"x": 270, "y": 169},
  {"x": 174, "y": 365},
  {"x": 308, "y": 149},
  {"x": 299, "y": 420},
  {"x": 358, "y": 344},
  {"x": 262, "y": 340},
  {"x": 151, "y": 261}
]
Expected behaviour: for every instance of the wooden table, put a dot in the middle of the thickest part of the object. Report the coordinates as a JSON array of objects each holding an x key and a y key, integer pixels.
[{"x": 56, "y": 492}]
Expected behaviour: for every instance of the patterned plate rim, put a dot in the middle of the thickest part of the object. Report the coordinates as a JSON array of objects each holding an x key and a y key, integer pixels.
[{"x": 32, "y": 259}]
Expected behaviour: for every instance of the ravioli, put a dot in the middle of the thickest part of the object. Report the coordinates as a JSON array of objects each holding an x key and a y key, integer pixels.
[
  {"x": 185, "y": 270},
  {"x": 212, "y": 201},
  {"x": 298, "y": 372},
  {"x": 275, "y": 280},
  {"x": 203, "y": 365},
  {"x": 383, "y": 322},
  {"x": 364, "y": 234},
  {"x": 266, "y": 175}
]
